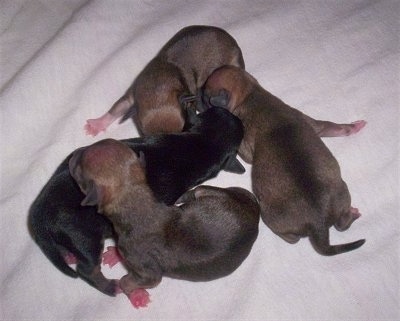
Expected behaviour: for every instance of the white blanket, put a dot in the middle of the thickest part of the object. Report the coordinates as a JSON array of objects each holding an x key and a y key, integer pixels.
[{"x": 65, "y": 61}]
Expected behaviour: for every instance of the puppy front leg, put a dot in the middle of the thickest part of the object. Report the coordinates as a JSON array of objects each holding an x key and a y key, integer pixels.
[
  {"x": 134, "y": 287},
  {"x": 325, "y": 128},
  {"x": 111, "y": 256}
]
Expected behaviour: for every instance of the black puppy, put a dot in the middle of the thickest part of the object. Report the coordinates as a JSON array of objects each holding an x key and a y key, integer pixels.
[{"x": 174, "y": 163}]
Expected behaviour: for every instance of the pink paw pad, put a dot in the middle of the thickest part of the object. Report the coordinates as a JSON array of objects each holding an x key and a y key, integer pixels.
[
  {"x": 139, "y": 298},
  {"x": 69, "y": 258},
  {"x": 95, "y": 126},
  {"x": 355, "y": 213},
  {"x": 111, "y": 256},
  {"x": 356, "y": 126}
]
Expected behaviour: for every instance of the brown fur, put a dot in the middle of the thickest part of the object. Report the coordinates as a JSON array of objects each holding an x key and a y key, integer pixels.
[
  {"x": 206, "y": 238},
  {"x": 294, "y": 175},
  {"x": 172, "y": 79}
]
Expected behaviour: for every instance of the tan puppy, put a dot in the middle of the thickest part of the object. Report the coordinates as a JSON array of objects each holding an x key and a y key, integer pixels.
[
  {"x": 295, "y": 177},
  {"x": 171, "y": 81},
  {"x": 206, "y": 238}
]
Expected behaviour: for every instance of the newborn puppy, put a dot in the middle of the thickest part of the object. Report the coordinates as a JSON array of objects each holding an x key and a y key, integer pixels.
[
  {"x": 295, "y": 177},
  {"x": 175, "y": 163},
  {"x": 206, "y": 238},
  {"x": 172, "y": 80}
]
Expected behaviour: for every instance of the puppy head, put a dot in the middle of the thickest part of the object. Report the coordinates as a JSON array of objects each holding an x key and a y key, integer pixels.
[
  {"x": 104, "y": 170},
  {"x": 227, "y": 87}
]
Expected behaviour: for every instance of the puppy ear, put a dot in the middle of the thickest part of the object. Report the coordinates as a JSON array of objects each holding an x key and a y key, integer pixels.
[
  {"x": 233, "y": 165},
  {"x": 93, "y": 195},
  {"x": 221, "y": 100}
]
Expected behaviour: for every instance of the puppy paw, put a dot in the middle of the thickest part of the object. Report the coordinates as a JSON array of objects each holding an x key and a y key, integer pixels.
[
  {"x": 93, "y": 127},
  {"x": 355, "y": 213},
  {"x": 111, "y": 256},
  {"x": 139, "y": 298},
  {"x": 356, "y": 126},
  {"x": 69, "y": 258},
  {"x": 329, "y": 129}
]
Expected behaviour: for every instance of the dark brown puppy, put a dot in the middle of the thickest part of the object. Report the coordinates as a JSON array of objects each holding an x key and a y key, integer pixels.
[
  {"x": 206, "y": 238},
  {"x": 295, "y": 177},
  {"x": 175, "y": 75}
]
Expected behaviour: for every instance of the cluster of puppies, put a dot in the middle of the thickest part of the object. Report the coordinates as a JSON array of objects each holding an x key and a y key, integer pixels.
[{"x": 196, "y": 108}]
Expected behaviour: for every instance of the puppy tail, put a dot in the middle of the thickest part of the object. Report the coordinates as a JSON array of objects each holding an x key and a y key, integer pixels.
[{"x": 320, "y": 241}]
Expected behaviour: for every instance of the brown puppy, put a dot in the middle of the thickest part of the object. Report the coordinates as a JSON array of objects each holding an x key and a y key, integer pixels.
[
  {"x": 171, "y": 80},
  {"x": 206, "y": 238},
  {"x": 295, "y": 177}
]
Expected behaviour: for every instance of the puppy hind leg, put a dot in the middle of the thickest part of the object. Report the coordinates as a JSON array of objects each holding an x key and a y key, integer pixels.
[
  {"x": 139, "y": 298},
  {"x": 70, "y": 258},
  {"x": 329, "y": 129},
  {"x": 345, "y": 221},
  {"x": 97, "y": 125},
  {"x": 121, "y": 108},
  {"x": 134, "y": 287}
]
